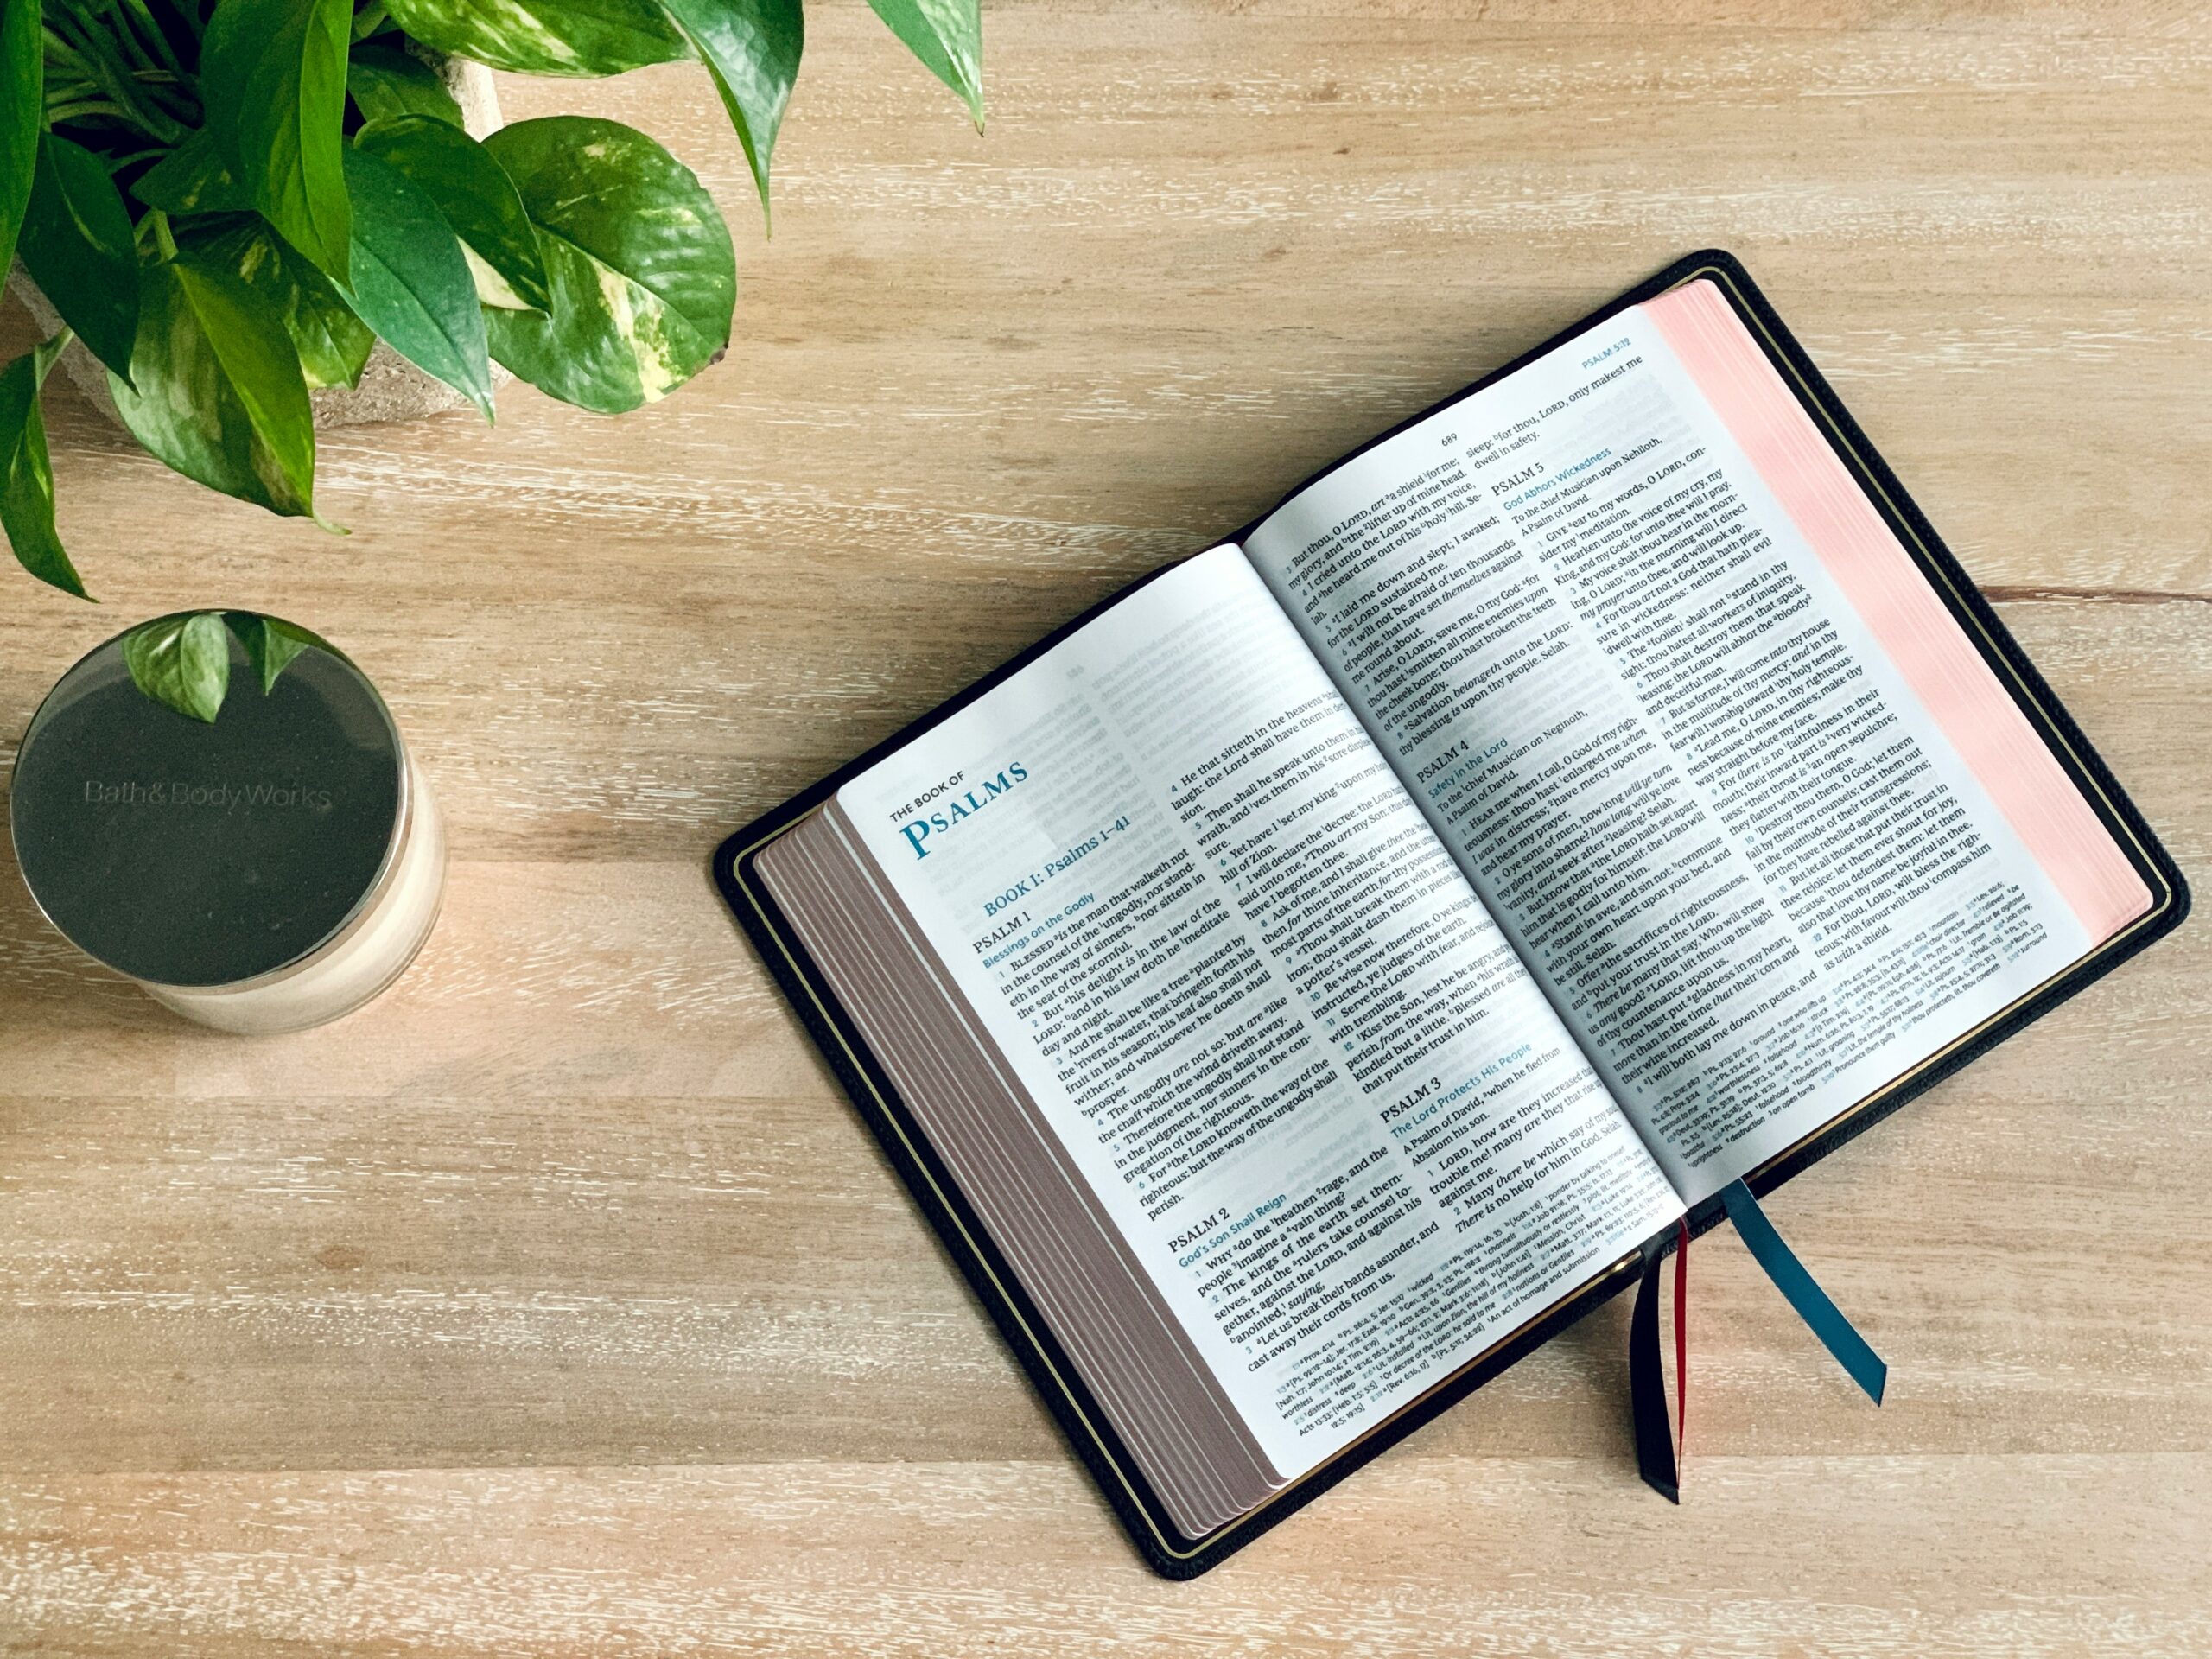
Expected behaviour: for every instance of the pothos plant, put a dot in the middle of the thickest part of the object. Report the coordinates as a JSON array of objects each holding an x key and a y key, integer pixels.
[{"x": 229, "y": 201}]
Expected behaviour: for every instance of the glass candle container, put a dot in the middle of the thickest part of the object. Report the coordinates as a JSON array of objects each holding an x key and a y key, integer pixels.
[{"x": 266, "y": 872}]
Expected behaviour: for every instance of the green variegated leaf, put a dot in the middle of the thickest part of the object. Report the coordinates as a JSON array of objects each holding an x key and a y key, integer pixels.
[
  {"x": 272, "y": 73},
  {"x": 22, "y": 115},
  {"x": 478, "y": 199},
  {"x": 192, "y": 179},
  {"x": 386, "y": 82},
  {"x": 181, "y": 662},
  {"x": 947, "y": 36},
  {"x": 256, "y": 354},
  {"x": 27, "y": 473},
  {"x": 272, "y": 643},
  {"x": 751, "y": 49},
  {"x": 333, "y": 343},
  {"x": 76, "y": 245},
  {"x": 215, "y": 389},
  {"x": 585, "y": 38},
  {"x": 643, "y": 277},
  {"x": 411, "y": 282}
]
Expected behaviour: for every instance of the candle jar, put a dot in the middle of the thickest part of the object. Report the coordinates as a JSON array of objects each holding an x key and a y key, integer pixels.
[{"x": 264, "y": 872}]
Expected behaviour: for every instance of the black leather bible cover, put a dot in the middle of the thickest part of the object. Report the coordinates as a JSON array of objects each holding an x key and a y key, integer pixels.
[{"x": 1035, "y": 1345}]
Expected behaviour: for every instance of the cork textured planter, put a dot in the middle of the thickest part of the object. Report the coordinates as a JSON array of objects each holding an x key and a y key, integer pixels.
[{"x": 392, "y": 388}]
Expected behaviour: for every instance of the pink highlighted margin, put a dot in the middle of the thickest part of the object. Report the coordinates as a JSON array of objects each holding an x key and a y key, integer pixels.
[{"x": 1893, "y": 596}]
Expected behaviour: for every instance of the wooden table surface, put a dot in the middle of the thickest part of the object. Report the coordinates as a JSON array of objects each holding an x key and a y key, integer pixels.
[{"x": 558, "y": 1304}]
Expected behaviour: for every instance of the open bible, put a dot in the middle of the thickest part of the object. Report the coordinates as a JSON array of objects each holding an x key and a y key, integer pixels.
[{"x": 1323, "y": 970}]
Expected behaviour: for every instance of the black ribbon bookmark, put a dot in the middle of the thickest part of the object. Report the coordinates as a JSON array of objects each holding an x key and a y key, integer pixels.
[{"x": 1646, "y": 1384}]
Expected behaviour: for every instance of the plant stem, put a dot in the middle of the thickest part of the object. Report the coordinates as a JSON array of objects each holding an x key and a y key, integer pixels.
[
  {"x": 84, "y": 109},
  {"x": 149, "y": 30},
  {"x": 59, "y": 50},
  {"x": 98, "y": 51}
]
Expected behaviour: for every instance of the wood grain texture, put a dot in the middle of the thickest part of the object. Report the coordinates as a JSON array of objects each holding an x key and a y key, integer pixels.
[{"x": 556, "y": 1303}]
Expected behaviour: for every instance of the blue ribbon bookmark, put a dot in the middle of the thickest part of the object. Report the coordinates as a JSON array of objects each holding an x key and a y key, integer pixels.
[{"x": 1798, "y": 1288}]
